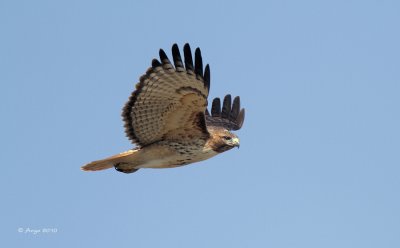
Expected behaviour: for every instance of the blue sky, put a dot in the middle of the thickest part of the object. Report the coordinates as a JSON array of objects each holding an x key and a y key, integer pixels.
[{"x": 319, "y": 159}]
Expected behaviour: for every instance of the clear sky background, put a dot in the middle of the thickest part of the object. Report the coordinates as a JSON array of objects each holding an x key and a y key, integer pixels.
[{"x": 319, "y": 162}]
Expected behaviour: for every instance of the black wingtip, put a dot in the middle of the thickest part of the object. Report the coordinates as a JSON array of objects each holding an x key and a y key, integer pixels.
[
  {"x": 207, "y": 77},
  {"x": 216, "y": 107},
  {"x": 198, "y": 62},
  {"x": 235, "y": 109},
  {"x": 176, "y": 55},
  {"x": 226, "y": 106},
  {"x": 163, "y": 57},
  {"x": 188, "y": 57},
  {"x": 240, "y": 119},
  {"x": 155, "y": 63}
]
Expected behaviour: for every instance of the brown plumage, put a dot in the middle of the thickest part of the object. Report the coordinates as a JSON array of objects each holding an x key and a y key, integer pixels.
[{"x": 167, "y": 117}]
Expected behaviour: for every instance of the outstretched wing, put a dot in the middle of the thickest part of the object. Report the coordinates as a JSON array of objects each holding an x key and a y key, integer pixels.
[
  {"x": 169, "y": 102},
  {"x": 231, "y": 117}
]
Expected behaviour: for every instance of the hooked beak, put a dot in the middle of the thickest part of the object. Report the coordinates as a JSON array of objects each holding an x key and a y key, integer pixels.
[{"x": 236, "y": 142}]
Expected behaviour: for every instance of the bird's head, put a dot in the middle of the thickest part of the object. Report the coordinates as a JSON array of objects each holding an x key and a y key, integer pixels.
[{"x": 225, "y": 141}]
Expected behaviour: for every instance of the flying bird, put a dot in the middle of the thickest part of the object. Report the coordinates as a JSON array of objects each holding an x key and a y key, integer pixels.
[{"x": 167, "y": 117}]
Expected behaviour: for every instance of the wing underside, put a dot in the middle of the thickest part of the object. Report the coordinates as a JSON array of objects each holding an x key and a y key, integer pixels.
[{"x": 168, "y": 99}]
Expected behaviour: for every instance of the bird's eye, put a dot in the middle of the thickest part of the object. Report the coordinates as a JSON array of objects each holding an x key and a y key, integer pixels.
[{"x": 227, "y": 138}]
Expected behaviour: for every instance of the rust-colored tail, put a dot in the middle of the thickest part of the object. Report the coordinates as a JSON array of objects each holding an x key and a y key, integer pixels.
[{"x": 107, "y": 163}]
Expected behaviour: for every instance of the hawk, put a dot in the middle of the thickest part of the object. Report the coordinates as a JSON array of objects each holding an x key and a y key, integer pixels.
[{"x": 167, "y": 117}]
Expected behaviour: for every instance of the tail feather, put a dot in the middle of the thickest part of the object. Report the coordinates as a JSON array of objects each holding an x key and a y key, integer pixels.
[{"x": 110, "y": 162}]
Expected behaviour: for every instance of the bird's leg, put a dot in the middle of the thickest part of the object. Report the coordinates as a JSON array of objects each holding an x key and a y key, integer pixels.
[{"x": 125, "y": 168}]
